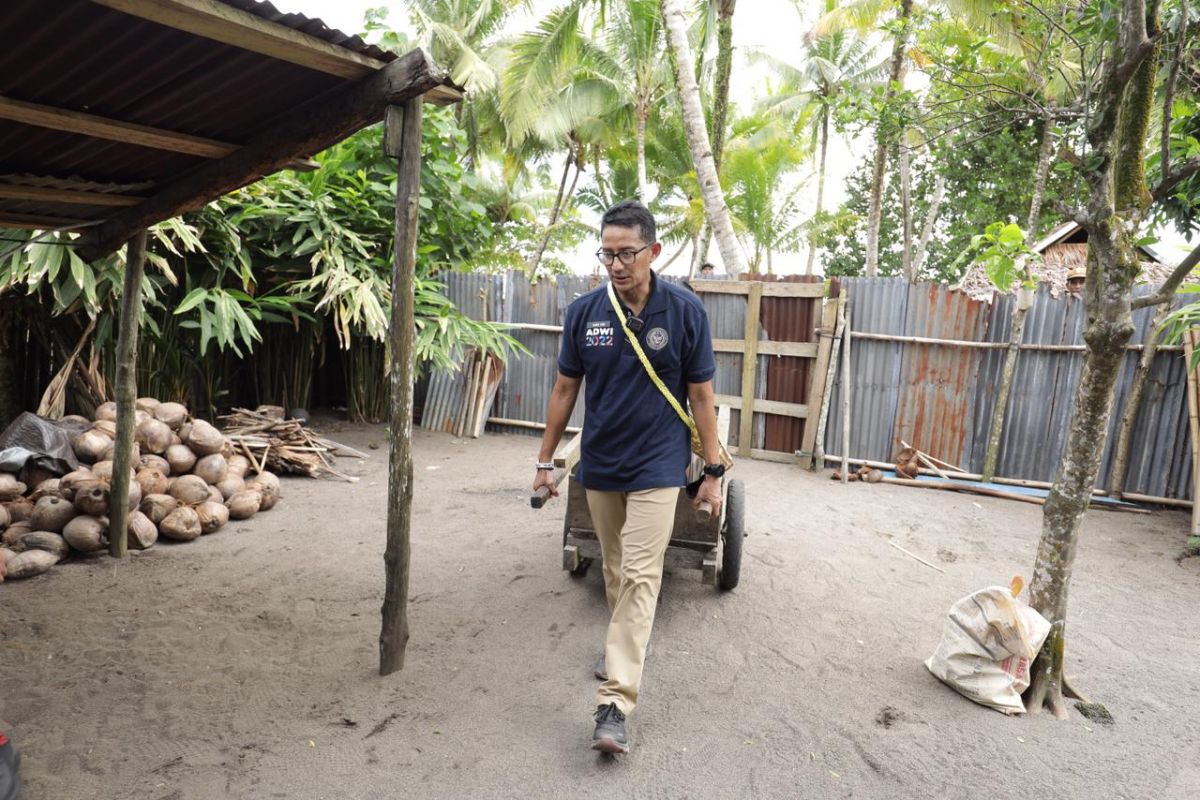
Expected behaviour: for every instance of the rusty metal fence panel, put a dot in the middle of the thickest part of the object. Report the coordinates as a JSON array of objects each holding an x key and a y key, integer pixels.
[{"x": 941, "y": 398}]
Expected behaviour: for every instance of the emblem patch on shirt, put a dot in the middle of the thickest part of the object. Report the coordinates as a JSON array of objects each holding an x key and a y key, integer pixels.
[
  {"x": 598, "y": 334},
  {"x": 657, "y": 338}
]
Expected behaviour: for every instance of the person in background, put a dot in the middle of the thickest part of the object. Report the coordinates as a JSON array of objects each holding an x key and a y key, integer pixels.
[
  {"x": 1075, "y": 280},
  {"x": 707, "y": 270},
  {"x": 635, "y": 450}
]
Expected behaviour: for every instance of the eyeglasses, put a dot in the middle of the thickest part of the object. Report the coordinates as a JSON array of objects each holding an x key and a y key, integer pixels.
[{"x": 626, "y": 257}]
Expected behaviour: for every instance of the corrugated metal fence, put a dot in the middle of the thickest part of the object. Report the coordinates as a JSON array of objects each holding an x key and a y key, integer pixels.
[{"x": 941, "y": 398}]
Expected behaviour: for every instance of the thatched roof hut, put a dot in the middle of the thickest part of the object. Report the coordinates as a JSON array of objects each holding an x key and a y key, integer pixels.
[{"x": 1063, "y": 249}]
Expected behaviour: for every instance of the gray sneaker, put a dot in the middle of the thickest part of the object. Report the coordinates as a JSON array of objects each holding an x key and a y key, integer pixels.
[{"x": 609, "y": 736}]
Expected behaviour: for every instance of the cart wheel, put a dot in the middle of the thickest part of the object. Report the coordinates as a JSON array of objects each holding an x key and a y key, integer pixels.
[{"x": 733, "y": 532}]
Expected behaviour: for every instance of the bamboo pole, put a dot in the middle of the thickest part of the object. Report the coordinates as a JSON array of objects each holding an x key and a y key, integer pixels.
[
  {"x": 846, "y": 397},
  {"x": 1133, "y": 401},
  {"x": 404, "y": 122},
  {"x": 1045, "y": 348},
  {"x": 1193, "y": 386},
  {"x": 126, "y": 392}
]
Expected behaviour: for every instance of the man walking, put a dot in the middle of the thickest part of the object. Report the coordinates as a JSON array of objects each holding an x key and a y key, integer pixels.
[{"x": 635, "y": 450}]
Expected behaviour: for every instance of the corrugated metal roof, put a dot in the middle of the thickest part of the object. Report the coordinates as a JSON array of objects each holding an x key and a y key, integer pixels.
[{"x": 81, "y": 56}]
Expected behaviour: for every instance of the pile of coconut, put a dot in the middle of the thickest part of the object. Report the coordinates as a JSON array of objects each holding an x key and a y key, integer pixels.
[{"x": 188, "y": 482}]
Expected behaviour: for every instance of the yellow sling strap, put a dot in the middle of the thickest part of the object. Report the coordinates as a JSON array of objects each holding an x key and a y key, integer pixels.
[{"x": 697, "y": 446}]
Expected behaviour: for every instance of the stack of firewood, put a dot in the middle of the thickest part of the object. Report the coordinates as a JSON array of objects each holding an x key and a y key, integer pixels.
[{"x": 283, "y": 446}]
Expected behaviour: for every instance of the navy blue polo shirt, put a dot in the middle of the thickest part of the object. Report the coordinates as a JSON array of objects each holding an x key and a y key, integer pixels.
[{"x": 632, "y": 438}]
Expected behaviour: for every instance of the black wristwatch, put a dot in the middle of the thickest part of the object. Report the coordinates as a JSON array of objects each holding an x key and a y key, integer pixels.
[{"x": 715, "y": 470}]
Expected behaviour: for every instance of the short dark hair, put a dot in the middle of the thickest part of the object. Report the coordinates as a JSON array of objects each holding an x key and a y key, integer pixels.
[
  {"x": 707, "y": 265},
  {"x": 631, "y": 214}
]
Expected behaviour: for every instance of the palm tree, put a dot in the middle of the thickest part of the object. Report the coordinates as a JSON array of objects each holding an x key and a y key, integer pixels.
[
  {"x": 835, "y": 64},
  {"x": 760, "y": 157},
  {"x": 460, "y": 34},
  {"x": 716, "y": 211}
]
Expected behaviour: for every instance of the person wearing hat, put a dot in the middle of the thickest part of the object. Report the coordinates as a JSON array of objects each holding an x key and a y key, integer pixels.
[{"x": 1075, "y": 280}]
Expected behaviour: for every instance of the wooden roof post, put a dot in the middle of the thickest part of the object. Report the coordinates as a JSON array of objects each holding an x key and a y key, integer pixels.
[
  {"x": 402, "y": 139},
  {"x": 126, "y": 391}
]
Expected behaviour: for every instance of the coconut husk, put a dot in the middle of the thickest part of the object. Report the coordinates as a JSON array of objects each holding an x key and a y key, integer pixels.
[
  {"x": 93, "y": 499},
  {"x": 230, "y": 486},
  {"x": 204, "y": 439},
  {"x": 68, "y": 484},
  {"x": 244, "y": 504},
  {"x": 151, "y": 461},
  {"x": 87, "y": 534},
  {"x": 10, "y": 487},
  {"x": 156, "y": 507},
  {"x": 107, "y": 411},
  {"x": 153, "y": 436},
  {"x": 5, "y": 518},
  {"x": 153, "y": 481},
  {"x": 13, "y": 533},
  {"x": 147, "y": 404},
  {"x": 182, "y": 525},
  {"x": 106, "y": 426},
  {"x": 189, "y": 489},
  {"x": 29, "y": 564},
  {"x": 173, "y": 414},
  {"x": 212, "y": 468},
  {"x": 45, "y": 540},
  {"x": 19, "y": 510},
  {"x": 212, "y": 516},
  {"x": 142, "y": 532},
  {"x": 180, "y": 459},
  {"x": 46, "y": 488},
  {"x": 52, "y": 514},
  {"x": 238, "y": 465}
]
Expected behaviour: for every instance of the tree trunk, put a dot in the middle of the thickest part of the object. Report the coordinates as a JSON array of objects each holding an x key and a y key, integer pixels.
[
  {"x": 126, "y": 394},
  {"x": 1042, "y": 174},
  {"x": 715, "y": 209},
  {"x": 1106, "y": 335},
  {"x": 883, "y": 140},
  {"x": 554, "y": 212},
  {"x": 1133, "y": 402},
  {"x": 601, "y": 186},
  {"x": 824, "y": 150},
  {"x": 394, "y": 631},
  {"x": 931, "y": 216},
  {"x": 1115, "y": 173},
  {"x": 642, "y": 113},
  {"x": 906, "y": 258},
  {"x": 721, "y": 81}
]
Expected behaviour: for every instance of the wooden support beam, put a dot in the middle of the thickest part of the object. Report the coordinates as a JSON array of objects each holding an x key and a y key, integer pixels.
[
  {"x": 113, "y": 130},
  {"x": 749, "y": 367},
  {"x": 768, "y": 348},
  {"x": 61, "y": 119},
  {"x": 38, "y": 222},
  {"x": 126, "y": 391},
  {"x": 393, "y": 635},
  {"x": 309, "y": 128},
  {"x": 232, "y": 26},
  {"x": 778, "y": 407},
  {"x": 768, "y": 289},
  {"x": 816, "y": 379},
  {"x": 43, "y": 194}
]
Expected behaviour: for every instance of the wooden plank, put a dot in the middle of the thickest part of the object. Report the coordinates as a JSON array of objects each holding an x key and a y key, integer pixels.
[
  {"x": 750, "y": 368},
  {"x": 36, "y": 222},
  {"x": 793, "y": 289},
  {"x": 393, "y": 634},
  {"x": 778, "y": 407},
  {"x": 1191, "y": 340},
  {"x": 308, "y": 128},
  {"x": 237, "y": 28},
  {"x": 44, "y": 194},
  {"x": 816, "y": 381},
  {"x": 568, "y": 455},
  {"x": 773, "y": 455},
  {"x": 767, "y": 348},
  {"x": 720, "y": 287}
]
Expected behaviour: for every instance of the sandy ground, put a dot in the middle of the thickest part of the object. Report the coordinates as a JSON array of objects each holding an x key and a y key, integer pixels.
[{"x": 243, "y": 665}]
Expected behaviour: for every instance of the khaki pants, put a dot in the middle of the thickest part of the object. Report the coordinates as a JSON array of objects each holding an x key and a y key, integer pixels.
[{"x": 633, "y": 529}]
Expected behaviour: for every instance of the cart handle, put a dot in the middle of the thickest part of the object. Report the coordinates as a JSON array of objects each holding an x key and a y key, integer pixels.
[
  {"x": 704, "y": 512},
  {"x": 542, "y": 495}
]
